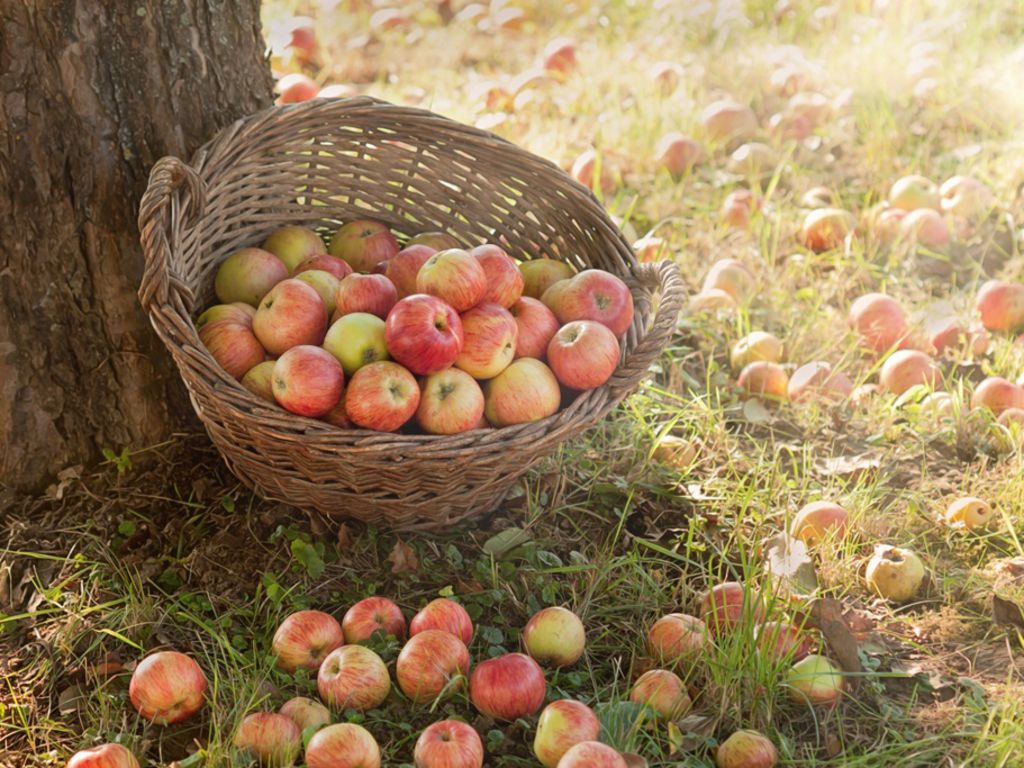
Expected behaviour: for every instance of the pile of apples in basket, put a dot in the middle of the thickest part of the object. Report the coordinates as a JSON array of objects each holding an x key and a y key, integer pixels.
[{"x": 431, "y": 337}]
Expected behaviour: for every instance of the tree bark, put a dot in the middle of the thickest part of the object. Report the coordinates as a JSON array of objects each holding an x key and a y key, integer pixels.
[{"x": 92, "y": 93}]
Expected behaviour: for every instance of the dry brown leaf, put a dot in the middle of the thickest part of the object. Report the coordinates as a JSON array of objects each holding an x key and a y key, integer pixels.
[
  {"x": 826, "y": 615},
  {"x": 403, "y": 558},
  {"x": 344, "y": 537}
]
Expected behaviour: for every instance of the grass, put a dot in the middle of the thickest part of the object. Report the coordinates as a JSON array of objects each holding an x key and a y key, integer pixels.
[{"x": 160, "y": 546}]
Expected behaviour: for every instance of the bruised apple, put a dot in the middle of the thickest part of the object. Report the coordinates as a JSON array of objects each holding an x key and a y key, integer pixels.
[
  {"x": 895, "y": 574},
  {"x": 969, "y": 512}
]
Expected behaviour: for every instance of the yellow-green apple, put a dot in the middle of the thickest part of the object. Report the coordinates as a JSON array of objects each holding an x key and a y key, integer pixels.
[
  {"x": 562, "y": 725},
  {"x": 537, "y": 325},
  {"x": 728, "y": 120},
  {"x": 382, "y": 396},
  {"x": 489, "y": 334},
  {"x": 746, "y": 749},
  {"x": 819, "y": 520},
  {"x": 711, "y": 301},
  {"x": 555, "y": 636},
  {"x": 997, "y": 395},
  {"x": 353, "y": 677},
  {"x": 431, "y": 664},
  {"x": 343, "y": 745},
  {"x": 663, "y": 691},
  {"x": 167, "y": 687},
  {"x": 969, "y": 512},
  {"x": 592, "y": 754},
  {"x": 525, "y": 391},
  {"x": 895, "y": 574},
  {"x": 1001, "y": 305},
  {"x": 541, "y": 274},
  {"x": 764, "y": 378},
  {"x": 248, "y": 275},
  {"x": 274, "y": 740},
  {"x": 595, "y": 295},
  {"x": 649, "y": 249},
  {"x": 451, "y": 402},
  {"x": 787, "y": 80},
  {"x": 423, "y": 333},
  {"x": 926, "y": 227},
  {"x": 444, "y": 615},
  {"x": 912, "y": 192},
  {"x": 236, "y": 312},
  {"x": 751, "y": 159},
  {"x": 559, "y": 55},
  {"x": 757, "y": 345},
  {"x": 725, "y": 606},
  {"x": 306, "y": 713},
  {"x": 448, "y": 744},
  {"x": 233, "y": 345},
  {"x": 789, "y": 126},
  {"x": 737, "y": 208},
  {"x": 366, "y": 293},
  {"x": 782, "y": 640},
  {"x": 554, "y": 293},
  {"x": 295, "y": 87},
  {"x": 307, "y": 381},
  {"x": 439, "y": 241},
  {"x": 583, "y": 354},
  {"x": 666, "y": 76},
  {"x": 338, "y": 416},
  {"x": 402, "y": 268},
  {"x": 356, "y": 340},
  {"x": 259, "y": 380},
  {"x": 455, "y": 277},
  {"x": 675, "y": 451},
  {"x": 731, "y": 276},
  {"x": 504, "y": 280},
  {"x": 676, "y": 637},
  {"x": 965, "y": 196},
  {"x": 818, "y": 381},
  {"x": 324, "y": 283},
  {"x": 908, "y": 368},
  {"x": 325, "y": 263},
  {"x": 508, "y": 687},
  {"x": 584, "y": 167},
  {"x": 814, "y": 107},
  {"x": 103, "y": 756},
  {"x": 371, "y": 615},
  {"x": 879, "y": 320},
  {"x": 291, "y": 314},
  {"x": 815, "y": 680},
  {"x": 677, "y": 153},
  {"x": 363, "y": 244},
  {"x": 293, "y": 245},
  {"x": 305, "y": 638},
  {"x": 826, "y": 228}
]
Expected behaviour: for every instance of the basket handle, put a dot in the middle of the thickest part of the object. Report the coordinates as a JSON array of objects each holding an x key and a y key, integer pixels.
[{"x": 159, "y": 215}]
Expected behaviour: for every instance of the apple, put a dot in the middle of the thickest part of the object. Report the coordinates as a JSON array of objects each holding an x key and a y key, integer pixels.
[
  {"x": 103, "y": 756},
  {"x": 764, "y": 378},
  {"x": 997, "y": 395},
  {"x": 583, "y": 354},
  {"x": 895, "y": 574},
  {"x": 947, "y": 333},
  {"x": 826, "y": 228},
  {"x": 306, "y": 713},
  {"x": 879, "y": 320},
  {"x": 818, "y": 381},
  {"x": 508, "y": 687},
  {"x": 562, "y": 725},
  {"x": 887, "y": 225},
  {"x": 1011, "y": 416},
  {"x": 274, "y": 740},
  {"x": 731, "y": 276},
  {"x": 649, "y": 249},
  {"x": 167, "y": 687},
  {"x": 343, "y": 745},
  {"x": 290, "y": 315},
  {"x": 663, "y": 691},
  {"x": 324, "y": 283},
  {"x": 541, "y": 274},
  {"x": 969, "y": 512},
  {"x": 444, "y": 615},
  {"x": 324, "y": 262},
  {"x": 439, "y": 241},
  {"x": 676, "y": 637},
  {"x": 307, "y": 381},
  {"x": 560, "y": 55},
  {"x": 965, "y": 196},
  {"x": 357, "y": 339},
  {"x": 489, "y": 340},
  {"x": 236, "y": 312},
  {"x": 725, "y": 606},
  {"x": 455, "y": 277},
  {"x": 728, "y": 120},
  {"x": 746, "y": 749},
  {"x": 423, "y": 333},
  {"x": 293, "y": 245},
  {"x": 787, "y": 80},
  {"x": 451, "y": 402},
  {"x": 937, "y": 406},
  {"x": 296, "y": 87},
  {"x": 1001, "y": 305},
  {"x": 502, "y": 275},
  {"x": 302, "y": 38},
  {"x": 666, "y": 76},
  {"x": 525, "y": 391},
  {"x": 353, "y": 677},
  {"x": 371, "y": 615},
  {"x": 553, "y": 295},
  {"x": 233, "y": 345},
  {"x": 926, "y": 227},
  {"x": 751, "y": 159},
  {"x": 402, "y": 268},
  {"x": 374, "y": 294},
  {"x": 813, "y": 107},
  {"x": 815, "y": 680},
  {"x": 363, "y": 244},
  {"x": 819, "y": 520},
  {"x": 737, "y": 208},
  {"x": 536, "y": 325},
  {"x": 789, "y": 126},
  {"x": 258, "y": 380},
  {"x": 433, "y": 663},
  {"x": 592, "y": 754},
  {"x": 305, "y": 638},
  {"x": 755, "y": 346},
  {"x": 912, "y": 192},
  {"x": 677, "y": 153},
  {"x": 908, "y": 368},
  {"x": 782, "y": 640},
  {"x": 710, "y": 301},
  {"x": 555, "y": 636},
  {"x": 595, "y": 295},
  {"x": 449, "y": 744},
  {"x": 584, "y": 166},
  {"x": 674, "y": 451},
  {"x": 248, "y": 275},
  {"x": 382, "y": 396}
]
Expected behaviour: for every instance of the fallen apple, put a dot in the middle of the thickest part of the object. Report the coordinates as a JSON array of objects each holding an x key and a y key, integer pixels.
[
  {"x": 789, "y": 126},
  {"x": 1001, "y": 305},
  {"x": 306, "y": 713},
  {"x": 343, "y": 745},
  {"x": 663, "y": 691},
  {"x": 782, "y": 641},
  {"x": 555, "y": 636},
  {"x": 305, "y": 638},
  {"x": 725, "y": 606},
  {"x": 908, "y": 368},
  {"x": 103, "y": 756},
  {"x": 449, "y": 744},
  {"x": 363, "y": 244},
  {"x": 675, "y": 451},
  {"x": 444, "y": 615},
  {"x": 432, "y": 664},
  {"x": 293, "y": 245},
  {"x": 274, "y": 740},
  {"x": 826, "y": 228},
  {"x": 966, "y": 197},
  {"x": 526, "y": 391},
  {"x": 731, "y": 276},
  {"x": 562, "y": 725},
  {"x": 583, "y": 354},
  {"x": 751, "y": 159},
  {"x": 676, "y": 637},
  {"x": 969, "y": 512},
  {"x": 879, "y": 320},
  {"x": 787, "y": 80},
  {"x": 559, "y": 55},
  {"x": 677, "y": 153},
  {"x": 815, "y": 680},
  {"x": 592, "y": 754},
  {"x": 997, "y": 394},
  {"x": 666, "y": 76},
  {"x": 584, "y": 167},
  {"x": 818, "y": 381},
  {"x": 167, "y": 687},
  {"x": 925, "y": 226},
  {"x": 295, "y": 87},
  {"x": 353, "y": 677},
  {"x": 912, "y": 192},
  {"x": 248, "y": 275},
  {"x": 818, "y": 197},
  {"x": 895, "y": 574},
  {"x": 728, "y": 120},
  {"x": 371, "y": 615},
  {"x": 818, "y": 521},
  {"x": 746, "y": 749},
  {"x": 508, "y": 687},
  {"x": 737, "y": 208},
  {"x": 755, "y": 346},
  {"x": 764, "y": 379},
  {"x": 307, "y": 381},
  {"x": 815, "y": 108}
]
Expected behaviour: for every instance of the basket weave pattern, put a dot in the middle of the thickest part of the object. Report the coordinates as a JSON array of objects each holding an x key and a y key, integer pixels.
[{"x": 329, "y": 161}]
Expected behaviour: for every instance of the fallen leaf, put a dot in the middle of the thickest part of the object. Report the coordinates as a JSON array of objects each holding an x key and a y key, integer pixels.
[
  {"x": 344, "y": 537},
  {"x": 692, "y": 732},
  {"x": 850, "y": 467},
  {"x": 634, "y": 760},
  {"x": 826, "y": 615},
  {"x": 403, "y": 558},
  {"x": 1007, "y": 613}
]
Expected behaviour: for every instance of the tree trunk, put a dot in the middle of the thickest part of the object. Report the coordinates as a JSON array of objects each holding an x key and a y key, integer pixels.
[{"x": 92, "y": 93}]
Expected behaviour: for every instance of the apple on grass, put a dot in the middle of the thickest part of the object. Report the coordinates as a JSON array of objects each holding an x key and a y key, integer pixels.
[
  {"x": 451, "y": 402},
  {"x": 444, "y": 615},
  {"x": 525, "y": 391},
  {"x": 167, "y": 687},
  {"x": 595, "y": 295},
  {"x": 489, "y": 334},
  {"x": 295, "y": 87},
  {"x": 913, "y": 192},
  {"x": 895, "y": 574},
  {"x": 1001, "y": 306},
  {"x": 353, "y": 677},
  {"x": 305, "y": 638},
  {"x": 233, "y": 345},
  {"x": 324, "y": 283},
  {"x": 541, "y": 274},
  {"x": 307, "y": 381},
  {"x": 584, "y": 167},
  {"x": 306, "y": 713},
  {"x": 737, "y": 208},
  {"x": 908, "y": 368},
  {"x": 324, "y": 262},
  {"x": 782, "y": 640},
  {"x": 103, "y": 756},
  {"x": 537, "y": 325},
  {"x": 997, "y": 395},
  {"x": 402, "y": 268},
  {"x": 502, "y": 275},
  {"x": 815, "y": 680},
  {"x": 583, "y": 354},
  {"x": 559, "y": 55},
  {"x": 826, "y": 228},
  {"x": 969, "y": 512},
  {"x": 374, "y": 294},
  {"x": 725, "y": 606},
  {"x": 562, "y": 725},
  {"x": 818, "y": 381},
  {"x": 663, "y": 691},
  {"x": 677, "y": 153},
  {"x": 592, "y": 754},
  {"x": 819, "y": 520},
  {"x": 248, "y": 275},
  {"x": 755, "y": 346},
  {"x": 675, "y": 451},
  {"x": 555, "y": 636},
  {"x": 356, "y": 340},
  {"x": 676, "y": 637},
  {"x": 666, "y": 75},
  {"x": 382, "y": 396},
  {"x": 731, "y": 276},
  {"x": 363, "y": 244},
  {"x": 879, "y": 320},
  {"x": 343, "y": 745},
  {"x": 293, "y": 245},
  {"x": 965, "y": 196},
  {"x": 508, "y": 687},
  {"x": 424, "y": 334},
  {"x": 764, "y": 379},
  {"x": 746, "y": 749},
  {"x": 371, "y": 615},
  {"x": 727, "y": 120},
  {"x": 432, "y": 664},
  {"x": 236, "y": 312},
  {"x": 273, "y": 739},
  {"x": 290, "y": 315},
  {"x": 454, "y": 276},
  {"x": 448, "y": 744}
]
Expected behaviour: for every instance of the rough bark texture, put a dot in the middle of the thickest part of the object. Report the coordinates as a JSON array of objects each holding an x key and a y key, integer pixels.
[{"x": 92, "y": 93}]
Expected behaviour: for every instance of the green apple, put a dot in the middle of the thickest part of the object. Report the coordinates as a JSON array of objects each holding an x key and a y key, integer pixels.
[
  {"x": 324, "y": 283},
  {"x": 355, "y": 340}
]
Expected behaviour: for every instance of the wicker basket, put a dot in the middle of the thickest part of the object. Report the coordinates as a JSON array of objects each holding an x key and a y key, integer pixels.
[{"x": 327, "y": 161}]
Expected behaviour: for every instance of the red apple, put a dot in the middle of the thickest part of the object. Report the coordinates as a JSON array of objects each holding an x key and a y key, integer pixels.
[
  {"x": 293, "y": 245},
  {"x": 596, "y": 295},
  {"x": 789, "y": 126},
  {"x": 306, "y": 713},
  {"x": 908, "y": 368},
  {"x": 424, "y": 334},
  {"x": 675, "y": 637},
  {"x": 787, "y": 80},
  {"x": 752, "y": 159},
  {"x": 433, "y": 663},
  {"x": 562, "y": 725},
  {"x": 326, "y": 263},
  {"x": 560, "y": 55},
  {"x": 584, "y": 166},
  {"x": 103, "y": 756},
  {"x": 445, "y": 615},
  {"x": 727, "y": 120},
  {"x": 818, "y": 381},
  {"x": 455, "y": 277},
  {"x": 592, "y": 754},
  {"x": 236, "y": 312},
  {"x": 307, "y": 381},
  {"x": 738, "y": 206},
  {"x": 537, "y": 325},
  {"x": 731, "y": 276},
  {"x": 324, "y": 283},
  {"x": 925, "y": 226},
  {"x": 583, "y": 354},
  {"x": 525, "y": 391},
  {"x": 353, "y": 677},
  {"x": 649, "y": 249},
  {"x": 666, "y": 76},
  {"x": 357, "y": 339},
  {"x": 502, "y": 275},
  {"x": 677, "y": 153},
  {"x": 290, "y": 315},
  {"x": 439, "y": 241},
  {"x": 451, "y": 402},
  {"x": 663, "y": 691},
  {"x": 344, "y": 745},
  {"x": 815, "y": 680},
  {"x": 726, "y": 605},
  {"x": 508, "y": 687},
  {"x": 167, "y": 687},
  {"x": 302, "y": 38},
  {"x": 274, "y": 740},
  {"x": 997, "y": 395},
  {"x": 813, "y": 107},
  {"x": 449, "y": 744},
  {"x": 746, "y": 749},
  {"x": 947, "y": 333},
  {"x": 1011, "y": 416},
  {"x": 248, "y": 275},
  {"x": 233, "y": 345},
  {"x": 305, "y": 638},
  {"x": 489, "y": 335},
  {"x": 819, "y": 520},
  {"x": 555, "y": 636},
  {"x": 382, "y": 396},
  {"x": 370, "y": 615},
  {"x": 826, "y": 228},
  {"x": 402, "y": 268},
  {"x": 296, "y": 87},
  {"x": 765, "y": 379},
  {"x": 1001, "y": 305},
  {"x": 541, "y": 274},
  {"x": 363, "y": 244},
  {"x": 782, "y": 640},
  {"x": 374, "y": 294},
  {"x": 879, "y": 320},
  {"x": 912, "y": 192}
]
